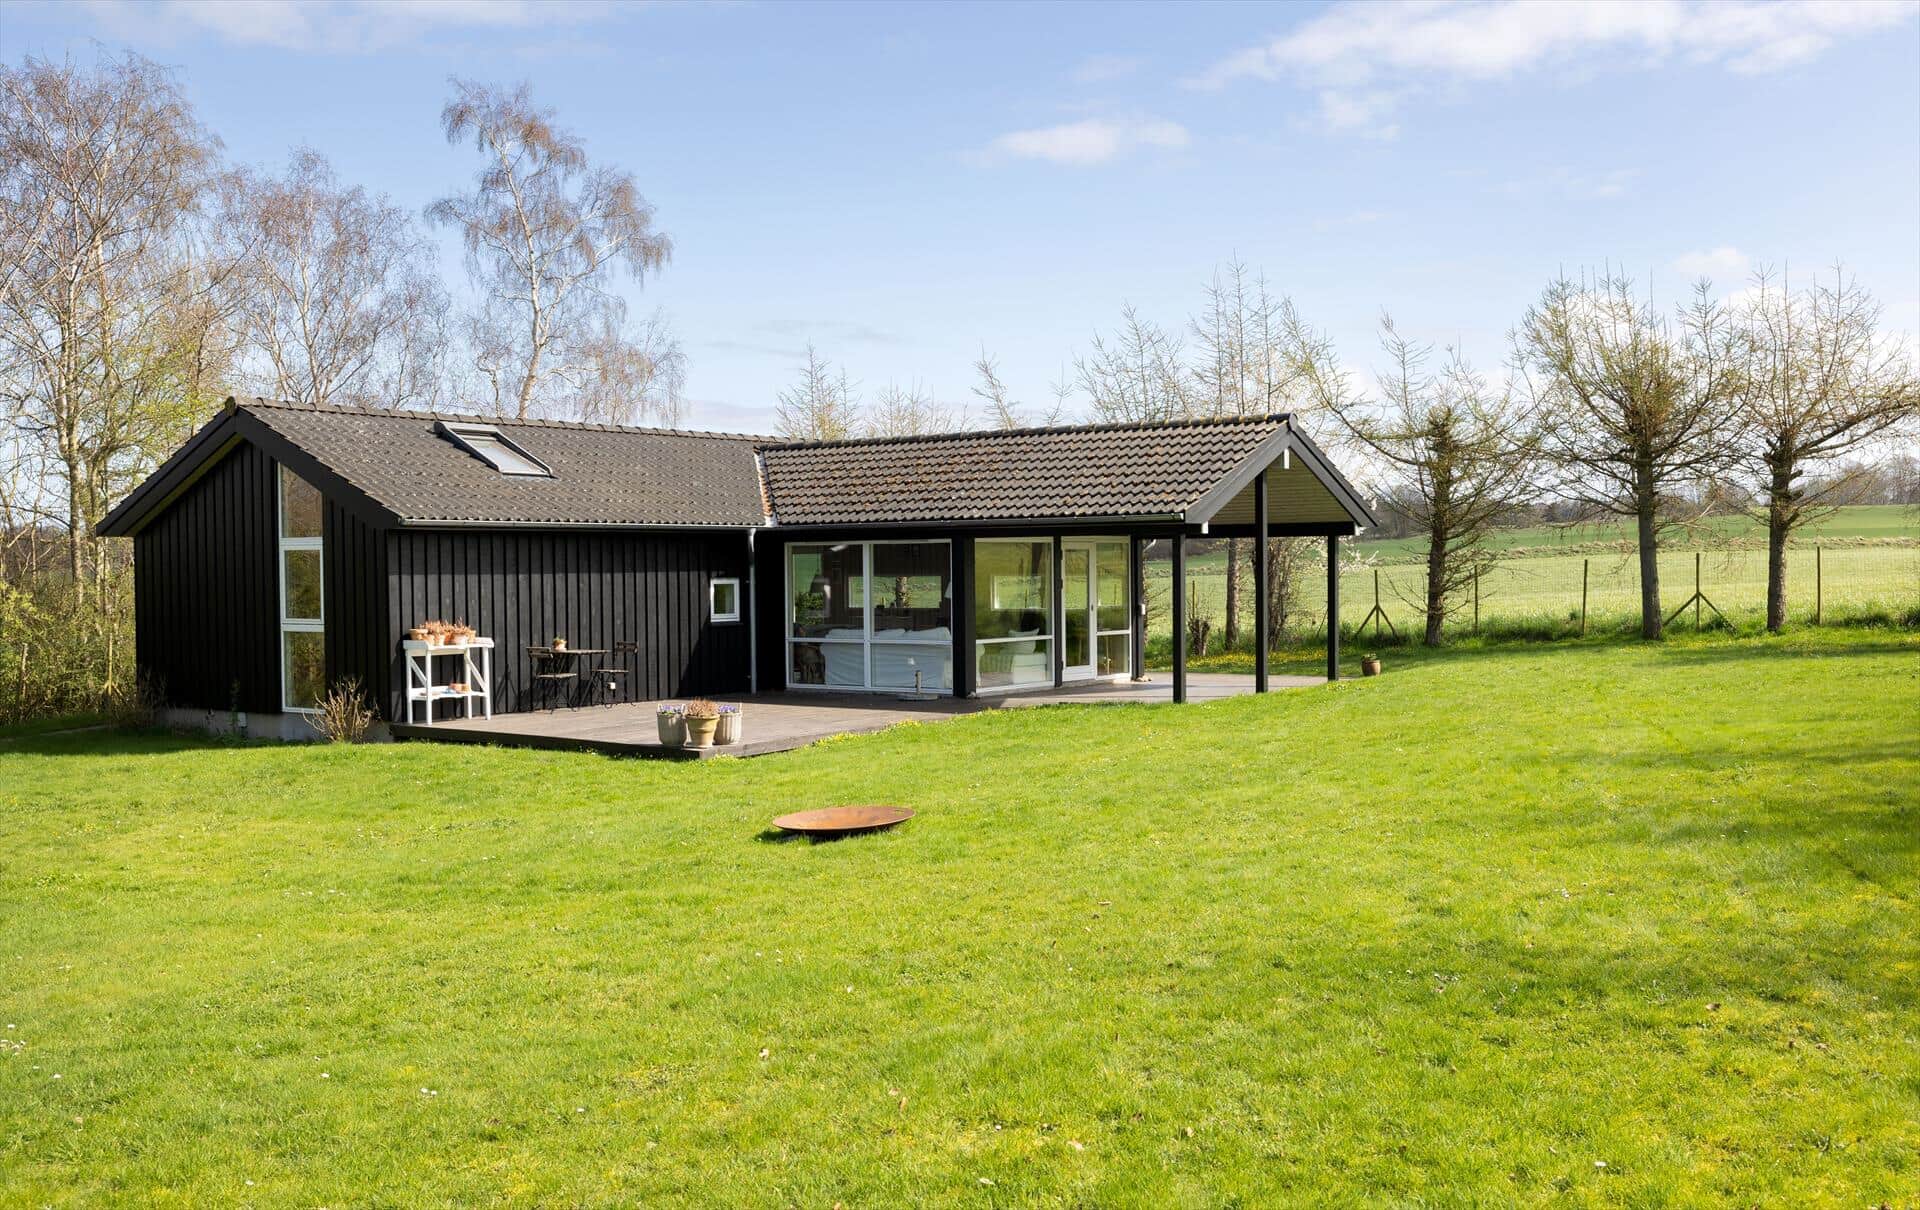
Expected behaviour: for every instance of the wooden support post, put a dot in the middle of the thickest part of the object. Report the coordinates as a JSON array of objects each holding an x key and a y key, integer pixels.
[
  {"x": 1059, "y": 618},
  {"x": 1261, "y": 639},
  {"x": 1179, "y": 617},
  {"x": 1476, "y": 600},
  {"x": 1333, "y": 607},
  {"x": 1696, "y": 590},
  {"x": 1816, "y": 585},
  {"x": 1137, "y": 595},
  {"x": 1583, "y": 598},
  {"x": 965, "y": 660}
]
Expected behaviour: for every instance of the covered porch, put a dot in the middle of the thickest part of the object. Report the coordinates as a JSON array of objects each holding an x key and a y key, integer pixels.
[
  {"x": 782, "y": 721},
  {"x": 978, "y": 565}
]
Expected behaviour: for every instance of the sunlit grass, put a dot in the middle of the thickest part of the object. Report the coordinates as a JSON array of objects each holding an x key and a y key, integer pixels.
[{"x": 1619, "y": 923}]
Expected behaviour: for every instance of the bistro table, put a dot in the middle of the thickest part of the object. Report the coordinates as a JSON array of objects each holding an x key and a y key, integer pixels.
[{"x": 570, "y": 656}]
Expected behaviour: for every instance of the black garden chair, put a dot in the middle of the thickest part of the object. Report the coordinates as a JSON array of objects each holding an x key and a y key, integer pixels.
[
  {"x": 553, "y": 677},
  {"x": 611, "y": 678}
]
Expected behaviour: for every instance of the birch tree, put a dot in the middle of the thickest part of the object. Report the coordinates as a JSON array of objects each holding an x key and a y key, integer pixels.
[
  {"x": 337, "y": 297},
  {"x": 1820, "y": 382},
  {"x": 545, "y": 231},
  {"x": 110, "y": 338},
  {"x": 1640, "y": 411}
]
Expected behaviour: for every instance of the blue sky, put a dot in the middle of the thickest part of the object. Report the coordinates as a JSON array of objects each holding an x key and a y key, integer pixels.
[{"x": 903, "y": 185}]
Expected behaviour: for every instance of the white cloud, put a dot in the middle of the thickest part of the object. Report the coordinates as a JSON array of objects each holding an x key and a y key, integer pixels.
[
  {"x": 1090, "y": 141},
  {"x": 340, "y": 26},
  {"x": 1347, "y": 49},
  {"x": 1723, "y": 264},
  {"x": 1101, "y": 69}
]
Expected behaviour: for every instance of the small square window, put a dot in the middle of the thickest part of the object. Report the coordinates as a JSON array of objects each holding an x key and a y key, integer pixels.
[{"x": 724, "y": 595}]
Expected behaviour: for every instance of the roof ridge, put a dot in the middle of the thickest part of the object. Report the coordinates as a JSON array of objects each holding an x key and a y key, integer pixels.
[
  {"x": 257, "y": 401},
  {"x": 1139, "y": 426}
]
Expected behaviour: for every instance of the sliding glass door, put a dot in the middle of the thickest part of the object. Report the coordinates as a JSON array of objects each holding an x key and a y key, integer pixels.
[{"x": 870, "y": 615}]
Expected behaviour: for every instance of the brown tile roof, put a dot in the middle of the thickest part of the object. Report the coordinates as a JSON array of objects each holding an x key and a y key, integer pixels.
[
  {"x": 602, "y": 474},
  {"x": 1086, "y": 471}
]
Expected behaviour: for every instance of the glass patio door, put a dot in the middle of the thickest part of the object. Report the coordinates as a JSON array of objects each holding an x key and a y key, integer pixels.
[{"x": 1079, "y": 599}]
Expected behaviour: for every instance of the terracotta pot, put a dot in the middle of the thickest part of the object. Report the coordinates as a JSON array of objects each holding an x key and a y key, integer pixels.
[
  {"x": 1369, "y": 667},
  {"x": 700, "y": 732},
  {"x": 417, "y": 634},
  {"x": 673, "y": 730},
  {"x": 729, "y": 730}
]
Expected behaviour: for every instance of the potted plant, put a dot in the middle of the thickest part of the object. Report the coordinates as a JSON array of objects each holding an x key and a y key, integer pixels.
[
  {"x": 559, "y": 644},
  {"x": 728, "y": 731},
  {"x": 703, "y": 719},
  {"x": 1370, "y": 664},
  {"x": 673, "y": 724}
]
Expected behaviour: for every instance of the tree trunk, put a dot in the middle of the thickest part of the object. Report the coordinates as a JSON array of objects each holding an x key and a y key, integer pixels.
[
  {"x": 1645, "y": 502},
  {"x": 1779, "y": 528},
  {"x": 1232, "y": 634},
  {"x": 1436, "y": 585}
]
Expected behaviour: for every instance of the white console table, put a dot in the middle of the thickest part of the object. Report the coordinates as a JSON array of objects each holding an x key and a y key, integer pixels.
[{"x": 476, "y": 662}]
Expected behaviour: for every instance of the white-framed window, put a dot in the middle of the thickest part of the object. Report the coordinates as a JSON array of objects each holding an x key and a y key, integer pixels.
[
  {"x": 870, "y": 615},
  {"x": 1013, "y": 612},
  {"x": 303, "y": 641},
  {"x": 723, "y": 599},
  {"x": 487, "y": 443}
]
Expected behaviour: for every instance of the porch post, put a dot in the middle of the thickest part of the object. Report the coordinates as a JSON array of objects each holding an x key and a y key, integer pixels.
[
  {"x": 1333, "y": 607},
  {"x": 962, "y": 613},
  {"x": 1137, "y": 599},
  {"x": 1261, "y": 639},
  {"x": 1059, "y": 618},
  {"x": 1180, "y": 617}
]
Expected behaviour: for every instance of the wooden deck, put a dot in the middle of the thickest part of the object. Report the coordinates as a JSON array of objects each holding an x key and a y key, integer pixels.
[{"x": 779, "y": 722}]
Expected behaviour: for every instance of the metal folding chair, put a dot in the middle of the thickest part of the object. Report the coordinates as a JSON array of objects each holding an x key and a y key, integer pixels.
[
  {"x": 553, "y": 675},
  {"x": 611, "y": 678}
]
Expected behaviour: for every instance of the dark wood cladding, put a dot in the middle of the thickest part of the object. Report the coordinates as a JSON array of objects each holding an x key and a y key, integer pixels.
[
  {"x": 206, "y": 590},
  {"x": 359, "y": 643},
  {"x": 525, "y": 587}
]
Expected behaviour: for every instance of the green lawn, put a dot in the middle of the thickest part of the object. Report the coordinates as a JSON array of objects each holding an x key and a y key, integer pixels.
[{"x": 1600, "y": 923}]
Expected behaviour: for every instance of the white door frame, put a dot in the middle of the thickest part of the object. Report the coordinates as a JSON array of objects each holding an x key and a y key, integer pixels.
[{"x": 1089, "y": 607}]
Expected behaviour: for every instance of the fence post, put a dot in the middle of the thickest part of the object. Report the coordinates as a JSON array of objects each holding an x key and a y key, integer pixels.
[
  {"x": 1476, "y": 600},
  {"x": 1696, "y": 590},
  {"x": 1583, "y": 598},
  {"x": 1816, "y": 586}
]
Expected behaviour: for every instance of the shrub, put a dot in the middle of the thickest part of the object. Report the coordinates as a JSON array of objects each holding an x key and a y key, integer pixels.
[
  {"x": 344, "y": 716},
  {"x": 700, "y": 707}
]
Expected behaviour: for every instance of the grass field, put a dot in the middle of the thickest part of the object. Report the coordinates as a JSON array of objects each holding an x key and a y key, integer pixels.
[
  {"x": 1602, "y": 923},
  {"x": 1871, "y": 566}
]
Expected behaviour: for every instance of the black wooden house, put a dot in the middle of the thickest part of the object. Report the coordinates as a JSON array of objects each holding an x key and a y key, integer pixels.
[{"x": 286, "y": 548}]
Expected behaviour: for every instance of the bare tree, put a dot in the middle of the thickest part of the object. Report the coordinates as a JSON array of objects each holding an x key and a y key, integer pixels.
[
  {"x": 337, "y": 297},
  {"x": 909, "y": 411},
  {"x": 1820, "y": 382},
  {"x": 1458, "y": 456},
  {"x": 1241, "y": 368},
  {"x": 542, "y": 228},
  {"x": 1136, "y": 374},
  {"x": 1003, "y": 410},
  {"x": 631, "y": 378},
  {"x": 1638, "y": 413},
  {"x": 821, "y": 406}
]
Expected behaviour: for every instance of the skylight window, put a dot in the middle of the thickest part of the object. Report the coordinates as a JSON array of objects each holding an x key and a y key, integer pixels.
[{"x": 490, "y": 445}]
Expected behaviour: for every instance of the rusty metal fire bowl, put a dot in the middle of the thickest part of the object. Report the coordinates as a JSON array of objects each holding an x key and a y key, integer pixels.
[{"x": 841, "y": 821}]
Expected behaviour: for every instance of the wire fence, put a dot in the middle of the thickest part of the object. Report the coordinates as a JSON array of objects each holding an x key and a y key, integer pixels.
[{"x": 1830, "y": 582}]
